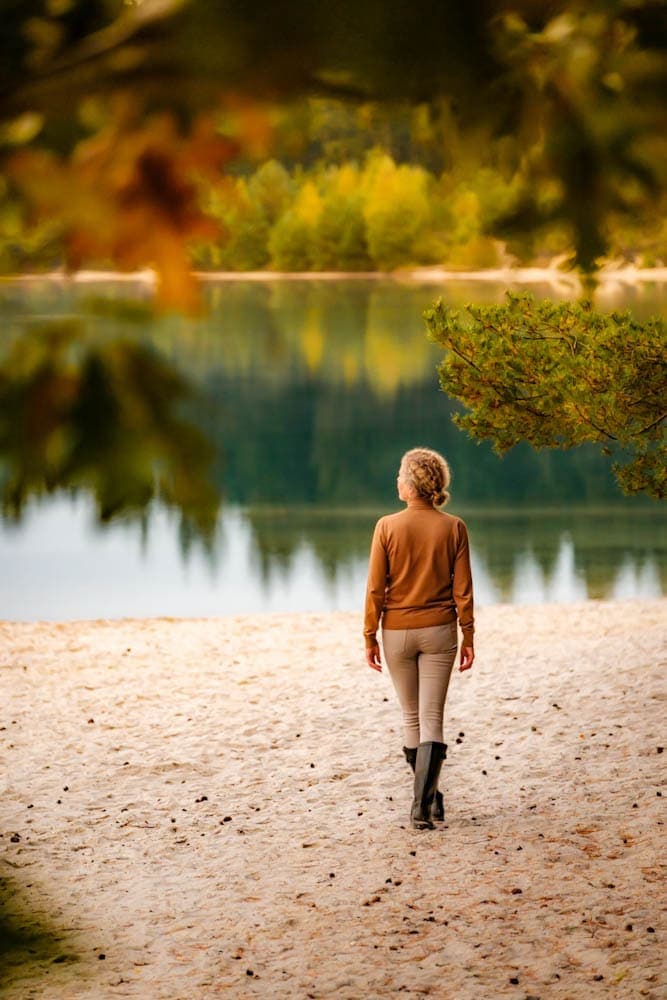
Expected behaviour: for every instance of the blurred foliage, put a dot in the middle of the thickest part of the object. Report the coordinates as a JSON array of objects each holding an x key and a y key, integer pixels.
[
  {"x": 85, "y": 412},
  {"x": 31, "y": 939},
  {"x": 118, "y": 116},
  {"x": 558, "y": 375},
  {"x": 125, "y": 196}
]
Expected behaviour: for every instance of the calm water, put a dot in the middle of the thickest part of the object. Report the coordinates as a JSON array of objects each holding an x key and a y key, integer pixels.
[{"x": 308, "y": 392}]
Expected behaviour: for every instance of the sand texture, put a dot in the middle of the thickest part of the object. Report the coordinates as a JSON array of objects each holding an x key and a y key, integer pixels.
[{"x": 218, "y": 808}]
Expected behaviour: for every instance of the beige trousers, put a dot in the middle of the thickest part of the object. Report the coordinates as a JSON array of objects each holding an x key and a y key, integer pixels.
[{"x": 420, "y": 662}]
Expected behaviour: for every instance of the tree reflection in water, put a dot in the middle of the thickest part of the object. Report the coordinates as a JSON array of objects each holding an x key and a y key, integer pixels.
[
  {"x": 521, "y": 555},
  {"x": 294, "y": 402},
  {"x": 80, "y": 411}
]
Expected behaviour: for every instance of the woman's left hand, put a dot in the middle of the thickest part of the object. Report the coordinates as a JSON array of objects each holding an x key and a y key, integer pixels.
[
  {"x": 467, "y": 658},
  {"x": 373, "y": 658}
]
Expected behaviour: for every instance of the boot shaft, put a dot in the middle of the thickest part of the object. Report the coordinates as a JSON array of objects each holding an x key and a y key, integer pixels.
[{"x": 428, "y": 763}]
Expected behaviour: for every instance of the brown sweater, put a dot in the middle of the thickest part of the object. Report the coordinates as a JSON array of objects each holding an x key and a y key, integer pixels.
[{"x": 419, "y": 572}]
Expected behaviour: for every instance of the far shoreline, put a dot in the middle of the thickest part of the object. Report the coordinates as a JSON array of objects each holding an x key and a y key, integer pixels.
[{"x": 629, "y": 275}]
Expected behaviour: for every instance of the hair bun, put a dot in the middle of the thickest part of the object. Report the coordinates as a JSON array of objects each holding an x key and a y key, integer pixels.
[{"x": 428, "y": 473}]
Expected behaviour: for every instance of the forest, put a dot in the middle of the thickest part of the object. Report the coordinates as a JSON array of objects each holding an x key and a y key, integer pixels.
[{"x": 360, "y": 187}]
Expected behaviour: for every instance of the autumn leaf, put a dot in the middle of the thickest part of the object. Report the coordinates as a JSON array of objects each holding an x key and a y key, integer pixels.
[{"x": 129, "y": 197}]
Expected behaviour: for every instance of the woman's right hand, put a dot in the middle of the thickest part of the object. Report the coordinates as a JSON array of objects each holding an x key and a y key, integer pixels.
[{"x": 373, "y": 658}]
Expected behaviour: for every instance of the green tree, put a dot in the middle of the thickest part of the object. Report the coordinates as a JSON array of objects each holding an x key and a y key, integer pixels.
[
  {"x": 244, "y": 246},
  {"x": 292, "y": 240},
  {"x": 244, "y": 231},
  {"x": 270, "y": 189},
  {"x": 396, "y": 210},
  {"x": 340, "y": 242},
  {"x": 341, "y": 236},
  {"x": 558, "y": 375}
]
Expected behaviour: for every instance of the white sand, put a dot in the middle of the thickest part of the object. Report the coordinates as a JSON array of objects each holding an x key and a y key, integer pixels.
[{"x": 546, "y": 872}]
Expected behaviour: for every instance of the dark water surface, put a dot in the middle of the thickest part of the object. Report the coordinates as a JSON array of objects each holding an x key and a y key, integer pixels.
[{"x": 308, "y": 392}]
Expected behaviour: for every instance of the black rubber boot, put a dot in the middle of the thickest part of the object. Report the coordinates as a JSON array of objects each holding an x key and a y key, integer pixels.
[
  {"x": 427, "y": 771},
  {"x": 438, "y": 807}
]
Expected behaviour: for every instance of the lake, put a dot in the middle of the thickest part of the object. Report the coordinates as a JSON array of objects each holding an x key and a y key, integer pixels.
[{"x": 305, "y": 394}]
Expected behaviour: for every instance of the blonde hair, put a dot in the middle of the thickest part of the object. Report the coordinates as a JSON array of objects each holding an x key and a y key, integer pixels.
[{"x": 428, "y": 472}]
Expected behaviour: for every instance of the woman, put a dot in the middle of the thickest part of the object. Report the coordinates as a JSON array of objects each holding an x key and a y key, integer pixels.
[{"x": 419, "y": 584}]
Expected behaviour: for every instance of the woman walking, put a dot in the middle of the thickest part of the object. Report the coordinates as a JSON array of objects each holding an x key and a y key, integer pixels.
[{"x": 419, "y": 586}]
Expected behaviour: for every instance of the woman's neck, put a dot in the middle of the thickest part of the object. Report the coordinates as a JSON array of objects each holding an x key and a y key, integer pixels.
[{"x": 420, "y": 502}]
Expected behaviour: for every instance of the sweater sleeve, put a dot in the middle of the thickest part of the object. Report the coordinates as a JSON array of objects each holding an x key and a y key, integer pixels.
[
  {"x": 462, "y": 587},
  {"x": 376, "y": 585}
]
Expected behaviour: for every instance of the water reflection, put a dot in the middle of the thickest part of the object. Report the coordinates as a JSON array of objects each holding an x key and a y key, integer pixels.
[
  {"x": 65, "y": 566},
  {"x": 637, "y": 578},
  {"x": 100, "y": 416},
  {"x": 292, "y": 401},
  {"x": 520, "y": 555},
  {"x": 532, "y": 584},
  {"x": 306, "y": 392}
]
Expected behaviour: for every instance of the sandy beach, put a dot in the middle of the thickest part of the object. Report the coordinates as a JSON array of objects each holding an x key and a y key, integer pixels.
[{"x": 218, "y": 808}]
